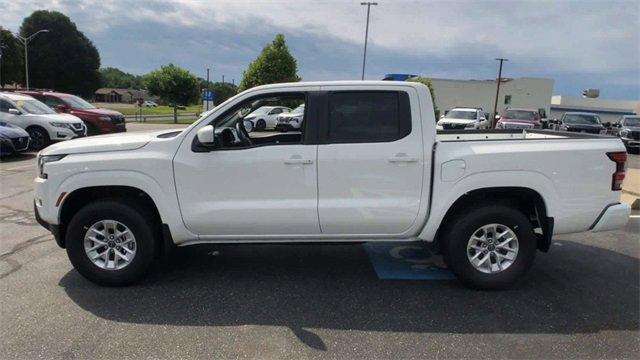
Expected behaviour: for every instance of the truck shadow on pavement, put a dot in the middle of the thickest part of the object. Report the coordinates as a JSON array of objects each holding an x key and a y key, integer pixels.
[{"x": 573, "y": 289}]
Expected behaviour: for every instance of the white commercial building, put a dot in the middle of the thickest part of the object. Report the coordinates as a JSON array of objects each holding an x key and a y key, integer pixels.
[
  {"x": 526, "y": 92},
  {"x": 608, "y": 110}
]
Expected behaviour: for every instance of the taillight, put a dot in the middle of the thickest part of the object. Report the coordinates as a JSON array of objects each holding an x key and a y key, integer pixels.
[{"x": 620, "y": 158}]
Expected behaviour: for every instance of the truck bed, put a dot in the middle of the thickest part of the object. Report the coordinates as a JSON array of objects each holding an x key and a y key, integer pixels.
[{"x": 511, "y": 134}]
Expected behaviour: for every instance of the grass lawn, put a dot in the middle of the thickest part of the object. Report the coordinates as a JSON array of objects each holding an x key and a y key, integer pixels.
[{"x": 129, "y": 109}]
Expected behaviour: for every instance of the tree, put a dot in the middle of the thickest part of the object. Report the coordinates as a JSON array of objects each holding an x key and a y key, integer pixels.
[
  {"x": 274, "y": 65},
  {"x": 62, "y": 59},
  {"x": 12, "y": 60},
  {"x": 173, "y": 84},
  {"x": 427, "y": 82},
  {"x": 115, "y": 78}
]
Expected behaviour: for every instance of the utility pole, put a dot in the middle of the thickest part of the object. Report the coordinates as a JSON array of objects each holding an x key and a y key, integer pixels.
[
  {"x": 366, "y": 34},
  {"x": 25, "y": 42},
  {"x": 495, "y": 105},
  {"x": 223, "y": 79}
]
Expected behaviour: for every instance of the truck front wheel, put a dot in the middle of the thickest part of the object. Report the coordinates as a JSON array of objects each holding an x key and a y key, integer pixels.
[
  {"x": 489, "y": 247},
  {"x": 111, "y": 243}
]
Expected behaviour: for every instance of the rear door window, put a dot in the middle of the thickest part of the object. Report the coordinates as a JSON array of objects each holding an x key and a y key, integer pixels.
[{"x": 368, "y": 116}]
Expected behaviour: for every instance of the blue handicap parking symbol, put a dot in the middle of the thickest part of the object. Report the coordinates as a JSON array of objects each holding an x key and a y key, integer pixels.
[{"x": 406, "y": 261}]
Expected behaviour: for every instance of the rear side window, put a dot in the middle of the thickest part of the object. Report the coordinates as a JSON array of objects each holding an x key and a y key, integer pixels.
[
  {"x": 51, "y": 101},
  {"x": 368, "y": 116}
]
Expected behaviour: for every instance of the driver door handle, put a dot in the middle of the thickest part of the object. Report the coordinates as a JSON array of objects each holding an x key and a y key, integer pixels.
[{"x": 298, "y": 160}]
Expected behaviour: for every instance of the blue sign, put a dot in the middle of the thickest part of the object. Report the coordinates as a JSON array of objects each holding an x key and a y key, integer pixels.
[{"x": 207, "y": 95}]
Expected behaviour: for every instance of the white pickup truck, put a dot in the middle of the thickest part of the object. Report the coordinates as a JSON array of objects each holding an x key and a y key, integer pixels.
[{"x": 366, "y": 166}]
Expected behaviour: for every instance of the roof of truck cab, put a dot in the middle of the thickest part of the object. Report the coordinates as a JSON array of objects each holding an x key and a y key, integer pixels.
[{"x": 340, "y": 83}]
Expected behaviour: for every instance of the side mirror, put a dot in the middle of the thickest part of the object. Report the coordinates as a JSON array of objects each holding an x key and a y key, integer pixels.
[
  {"x": 248, "y": 125},
  {"x": 62, "y": 108},
  {"x": 206, "y": 135},
  {"x": 483, "y": 119},
  {"x": 14, "y": 111},
  {"x": 497, "y": 117}
]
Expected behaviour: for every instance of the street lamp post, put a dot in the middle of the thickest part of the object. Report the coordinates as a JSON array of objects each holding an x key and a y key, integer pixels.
[
  {"x": 495, "y": 105},
  {"x": 25, "y": 42},
  {"x": 366, "y": 34}
]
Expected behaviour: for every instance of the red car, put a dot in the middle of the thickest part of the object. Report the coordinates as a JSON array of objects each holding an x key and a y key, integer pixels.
[
  {"x": 519, "y": 119},
  {"x": 98, "y": 121}
]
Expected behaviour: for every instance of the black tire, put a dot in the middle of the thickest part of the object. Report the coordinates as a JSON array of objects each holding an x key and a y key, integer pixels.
[
  {"x": 458, "y": 231},
  {"x": 39, "y": 137},
  {"x": 135, "y": 218},
  {"x": 261, "y": 125}
]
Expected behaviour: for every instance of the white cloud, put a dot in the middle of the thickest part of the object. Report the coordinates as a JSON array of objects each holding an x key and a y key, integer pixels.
[{"x": 596, "y": 37}]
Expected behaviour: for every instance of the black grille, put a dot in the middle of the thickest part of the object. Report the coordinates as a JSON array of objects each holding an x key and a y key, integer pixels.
[
  {"x": 446, "y": 126},
  {"x": 20, "y": 143},
  {"x": 635, "y": 135},
  {"x": 117, "y": 119}
]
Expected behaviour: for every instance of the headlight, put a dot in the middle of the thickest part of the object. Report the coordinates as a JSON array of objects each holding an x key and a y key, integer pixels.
[
  {"x": 104, "y": 118},
  {"x": 60, "y": 125},
  {"x": 43, "y": 159},
  {"x": 624, "y": 133}
]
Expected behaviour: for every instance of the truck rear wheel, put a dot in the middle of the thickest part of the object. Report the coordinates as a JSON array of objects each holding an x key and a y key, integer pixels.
[
  {"x": 489, "y": 247},
  {"x": 111, "y": 243}
]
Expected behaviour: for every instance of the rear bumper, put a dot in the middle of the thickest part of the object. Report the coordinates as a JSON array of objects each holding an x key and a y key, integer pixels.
[{"x": 614, "y": 216}]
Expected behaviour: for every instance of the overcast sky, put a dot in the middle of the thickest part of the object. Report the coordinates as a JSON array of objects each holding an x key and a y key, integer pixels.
[{"x": 580, "y": 44}]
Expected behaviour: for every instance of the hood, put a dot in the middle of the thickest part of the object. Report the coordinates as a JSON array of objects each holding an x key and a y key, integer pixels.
[
  {"x": 64, "y": 118},
  {"x": 518, "y": 121},
  {"x": 583, "y": 126},
  {"x": 102, "y": 143},
  {"x": 11, "y": 131},
  {"x": 96, "y": 111},
  {"x": 455, "y": 121}
]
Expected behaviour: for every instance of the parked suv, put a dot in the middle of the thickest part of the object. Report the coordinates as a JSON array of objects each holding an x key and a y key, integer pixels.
[
  {"x": 42, "y": 123},
  {"x": 583, "y": 122},
  {"x": 519, "y": 119},
  {"x": 629, "y": 131},
  {"x": 291, "y": 120},
  {"x": 463, "y": 118},
  {"x": 98, "y": 121}
]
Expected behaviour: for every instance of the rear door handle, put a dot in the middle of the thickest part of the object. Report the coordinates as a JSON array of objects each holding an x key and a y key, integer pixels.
[
  {"x": 298, "y": 160},
  {"x": 402, "y": 158}
]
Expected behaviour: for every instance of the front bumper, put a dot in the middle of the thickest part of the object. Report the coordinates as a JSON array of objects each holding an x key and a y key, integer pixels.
[
  {"x": 66, "y": 133},
  {"x": 613, "y": 217},
  {"x": 14, "y": 145},
  {"x": 54, "y": 229}
]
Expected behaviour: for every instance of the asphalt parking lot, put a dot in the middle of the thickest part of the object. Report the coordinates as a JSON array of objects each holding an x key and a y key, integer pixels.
[{"x": 580, "y": 300}]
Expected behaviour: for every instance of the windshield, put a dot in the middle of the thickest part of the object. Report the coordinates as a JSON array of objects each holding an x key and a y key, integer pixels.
[
  {"x": 298, "y": 110},
  {"x": 34, "y": 107},
  {"x": 77, "y": 102},
  {"x": 631, "y": 121},
  {"x": 461, "y": 114},
  {"x": 520, "y": 114},
  {"x": 581, "y": 119}
]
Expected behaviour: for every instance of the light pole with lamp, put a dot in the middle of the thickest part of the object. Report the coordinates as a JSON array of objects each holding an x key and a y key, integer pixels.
[
  {"x": 25, "y": 42},
  {"x": 366, "y": 33}
]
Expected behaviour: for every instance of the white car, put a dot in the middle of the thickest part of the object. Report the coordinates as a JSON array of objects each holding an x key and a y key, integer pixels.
[
  {"x": 149, "y": 103},
  {"x": 368, "y": 166},
  {"x": 292, "y": 120},
  {"x": 266, "y": 117},
  {"x": 42, "y": 123},
  {"x": 463, "y": 119}
]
